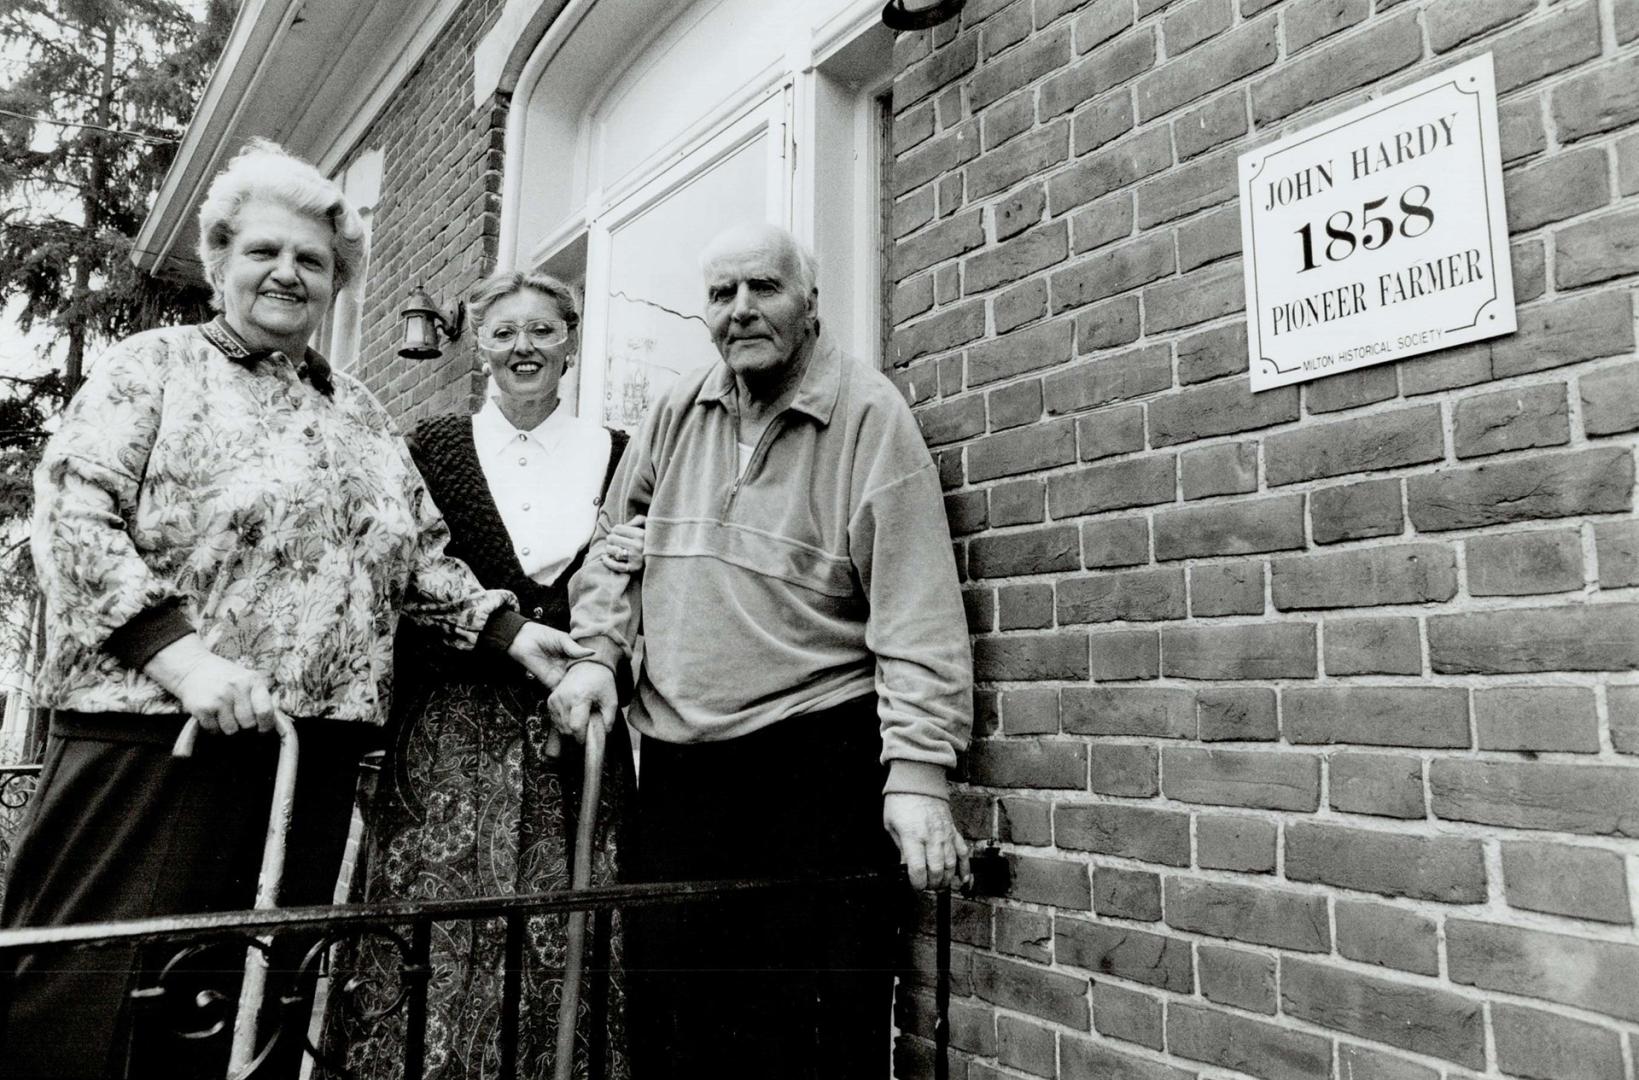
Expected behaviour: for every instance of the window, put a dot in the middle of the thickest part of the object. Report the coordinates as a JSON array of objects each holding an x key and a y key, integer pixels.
[{"x": 637, "y": 137}]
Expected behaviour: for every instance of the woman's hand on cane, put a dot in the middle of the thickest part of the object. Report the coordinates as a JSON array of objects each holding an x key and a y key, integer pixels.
[{"x": 224, "y": 696}]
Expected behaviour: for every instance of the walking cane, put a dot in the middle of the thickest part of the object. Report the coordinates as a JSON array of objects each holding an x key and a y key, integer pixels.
[
  {"x": 252, "y": 989},
  {"x": 580, "y": 876}
]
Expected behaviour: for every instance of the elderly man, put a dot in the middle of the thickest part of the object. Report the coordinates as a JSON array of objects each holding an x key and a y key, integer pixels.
[{"x": 804, "y": 684}]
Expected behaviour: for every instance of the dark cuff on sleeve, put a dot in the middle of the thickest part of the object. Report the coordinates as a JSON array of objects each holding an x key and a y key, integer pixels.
[
  {"x": 502, "y": 627},
  {"x": 147, "y": 632}
]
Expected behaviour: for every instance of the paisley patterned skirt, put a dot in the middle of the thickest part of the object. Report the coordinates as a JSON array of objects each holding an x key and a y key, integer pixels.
[{"x": 469, "y": 804}]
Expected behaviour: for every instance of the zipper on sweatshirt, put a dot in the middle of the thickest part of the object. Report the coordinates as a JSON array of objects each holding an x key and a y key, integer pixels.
[{"x": 753, "y": 463}]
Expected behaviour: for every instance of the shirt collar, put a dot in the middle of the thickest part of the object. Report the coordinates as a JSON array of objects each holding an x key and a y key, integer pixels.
[
  {"x": 816, "y": 394},
  {"x": 313, "y": 367},
  {"x": 492, "y": 430}
]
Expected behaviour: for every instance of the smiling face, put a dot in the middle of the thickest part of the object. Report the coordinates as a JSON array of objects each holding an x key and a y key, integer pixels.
[
  {"x": 525, "y": 373},
  {"x": 759, "y": 312},
  {"x": 278, "y": 277}
]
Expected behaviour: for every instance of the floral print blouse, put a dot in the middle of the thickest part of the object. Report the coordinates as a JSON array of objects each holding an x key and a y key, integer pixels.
[{"x": 269, "y": 506}]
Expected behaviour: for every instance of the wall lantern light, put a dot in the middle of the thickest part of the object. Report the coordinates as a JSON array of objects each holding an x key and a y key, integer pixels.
[
  {"x": 422, "y": 321},
  {"x": 902, "y": 15}
]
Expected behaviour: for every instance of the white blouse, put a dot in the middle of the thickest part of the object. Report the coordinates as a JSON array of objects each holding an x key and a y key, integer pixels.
[{"x": 547, "y": 483}]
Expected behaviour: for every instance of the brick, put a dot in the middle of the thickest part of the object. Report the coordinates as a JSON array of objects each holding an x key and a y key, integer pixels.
[
  {"x": 1267, "y": 1051},
  {"x": 1465, "y": 365},
  {"x": 1601, "y": 100},
  {"x": 1147, "y": 711},
  {"x": 949, "y": 196},
  {"x": 1128, "y": 770},
  {"x": 935, "y": 158},
  {"x": 1351, "y": 389},
  {"x": 1257, "y": 778},
  {"x": 1033, "y": 990},
  {"x": 1026, "y": 657},
  {"x": 1398, "y": 574},
  {"x": 1537, "y": 718},
  {"x": 1595, "y": 975},
  {"x": 945, "y": 240},
  {"x": 1012, "y": 406},
  {"x": 1216, "y": 352},
  {"x": 946, "y": 330},
  {"x": 1365, "y": 1063},
  {"x": 1525, "y": 564},
  {"x": 1610, "y": 400},
  {"x": 1023, "y": 450},
  {"x": 980, "y": 608},
  {"x": 1210, "y": 125},
  {"x": 1101, "y": 222},
  {"x": 1127, "y": 953},
  {"x": 1111, "y": 271},
  {"x": 1236, "y": 977},
  {"x": 1444, "y": 869},
  {"x": 913, "y": 126},
  {"x": 1143, "y": 481},
  {"x": 1560, "y": 187},
  {"x": 1057, "y": 882},
  {"x": 1624, "y": 718},
  {"x": 1101, "y": 122},
  {"x": 1022, "y": 502},
  {"x": 1356, "y": 511},
  {"x": 1387, "y": 936},
  {"x": 1028, "y": 763},
  {"x": 1357, "y": 60},
  {"x": 1264, "y": 651},
  {"x": 1037, "y": 551},
  {"x": 1425, "y": 716},
  {"x": 1545, "y": 1046},
  {"x": 1018, "y": 212},
  {"x": 1017, "y": 257},
  {"x": 952, "y": 421},
  {"x": 1577, "y": 882},
  {"x": 1030, "y": 711},
  {"x": 1025, "y": 934},
  {"x": 1255, "y": 914},
  {"x": 1108, "y": 169},
  {"x": 1596, "y": 481},
  {"x": 912, "y": 299},
  {"x": 1126, "y": 654},
  {"x": 1616, "y": 546},
  {"x": 1022, "y": 351},
  {"x": 1564, "y": 332},
  {"x": 1005, "y": 120},
  {"x": 1110, "y": 432},
  {"x": 1244, "y": 845},
  {"x": 1208, "y": 238},
  {"x": 1594, "y": 800},
  {"x": 1108, "y": 325},
  {"x": 1024, "y": 607},
  {"x": 1226, "y": 589},
  {"x": 1115, "y": 542},
  {"x": 1195, "y": 22},
  {"x": 1584, "y": 637},
  {"x": 1134, "y": 596},
  {"x": 1126, "y": 894},
  {"x": 1026, "y": 821},
  {"x": 1627, "y": 164},
  {"x": 1025, "y": 1046},
  {"x": 1512, "y": 419},
  {"x": 1239, "y": 528},
  {"x": 1231, "y": 56},
  {"x": 965, "y": 512},
  {"x": 996, "y": 78},
  {"x": 1121, "y": 61},
  {"x": 943, "y": 67},
  {"x": 1521, "y": 131},
  {"x": 1543, "y": 47},
  {"x": 1453, "y": 22},
  {"x": 1236, "y": 714},
  {"x": 1183, "y": 191},
  {"x": 1195, "y": 298},
  {"x": 1381, "y": 441},
  {"x": 1373, "y": 647},
  {"x": 1127, "y": 1015},
  {"x": 1108, "y": 379},
  {"x": 1309, "y": 21},
  {"x": 1418, "y": 1018},
  {"x": 1087, "y": 1057},
  {"x": 911, "y": 213},
  {"x": 1221, "y": 409},
  {"x": 1530, "y": 270},
  {"x": 972, "y": 1026},
  {"x": 1004, "y": 30},
  {"x": 1383, "y": 785},
  {"x": 1597, "y": 250},
  {"x": 1023, "y": 303},
  {"x": 1131, "y": 832}
]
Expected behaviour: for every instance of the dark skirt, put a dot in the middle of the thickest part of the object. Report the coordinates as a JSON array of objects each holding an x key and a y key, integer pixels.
[
  {"x": 471, "y": 805},
  {"x": 794, "y": 986},
  {"x": 119, "y": 829}
]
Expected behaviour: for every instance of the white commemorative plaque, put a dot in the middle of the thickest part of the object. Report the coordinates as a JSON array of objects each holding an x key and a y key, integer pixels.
[{"x": 1379, "y": 233}]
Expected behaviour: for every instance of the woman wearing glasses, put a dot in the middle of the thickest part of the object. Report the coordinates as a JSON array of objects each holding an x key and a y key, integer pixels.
[{"x": 473, "y": 801}]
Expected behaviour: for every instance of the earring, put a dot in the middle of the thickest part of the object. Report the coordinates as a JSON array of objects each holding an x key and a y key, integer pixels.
[{"x": 484, "y": 367}]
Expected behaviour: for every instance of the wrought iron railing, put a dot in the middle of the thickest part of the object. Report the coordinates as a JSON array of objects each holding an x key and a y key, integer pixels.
[
  {"x": 408, "y": 927},
  {"x": 17, "y": 784}
]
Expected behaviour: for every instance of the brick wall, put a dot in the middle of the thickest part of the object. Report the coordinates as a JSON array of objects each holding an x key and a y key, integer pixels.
[
  {"x": 1308, "y": 719},
  {"x": 438, "y": 219}
]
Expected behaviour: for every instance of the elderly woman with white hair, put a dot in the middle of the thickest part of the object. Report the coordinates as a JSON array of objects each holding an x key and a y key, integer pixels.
[{"x": 224, "y": 528}]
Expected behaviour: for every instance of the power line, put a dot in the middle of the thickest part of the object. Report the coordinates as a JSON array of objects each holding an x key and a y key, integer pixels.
[{"x": 152, "y": 139}]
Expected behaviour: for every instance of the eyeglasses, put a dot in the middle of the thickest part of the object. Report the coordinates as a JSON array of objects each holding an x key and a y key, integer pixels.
[{"x": 540, "y": 335}]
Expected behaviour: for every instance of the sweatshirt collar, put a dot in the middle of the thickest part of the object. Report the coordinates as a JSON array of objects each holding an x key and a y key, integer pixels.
[
  {"x": 816, "y": 394},
  {"x": 312, "y": 366}
]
